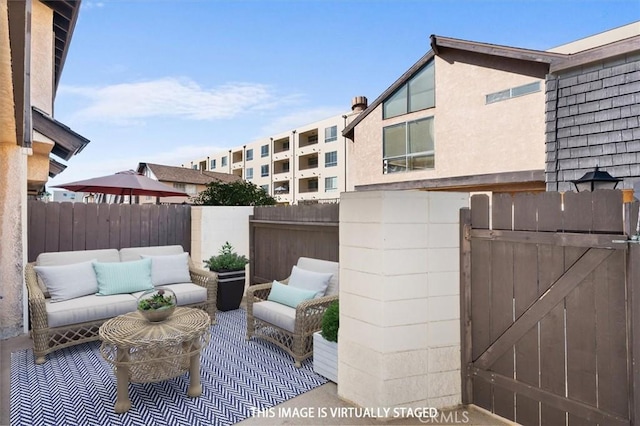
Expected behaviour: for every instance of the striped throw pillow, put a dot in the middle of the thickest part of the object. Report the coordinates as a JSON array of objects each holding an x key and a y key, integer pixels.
[{"x": 123, "y": 277}]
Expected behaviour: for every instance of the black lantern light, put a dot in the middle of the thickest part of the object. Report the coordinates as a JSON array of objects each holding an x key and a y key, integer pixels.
[{"x": 594, "y": 180}]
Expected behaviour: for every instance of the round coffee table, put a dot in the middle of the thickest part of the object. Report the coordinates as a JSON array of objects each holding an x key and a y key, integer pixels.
[{"x": 142, "y": 351}]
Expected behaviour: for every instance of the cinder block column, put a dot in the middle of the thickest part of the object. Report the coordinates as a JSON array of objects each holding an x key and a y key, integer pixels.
[{"x": 399, "y": 336}]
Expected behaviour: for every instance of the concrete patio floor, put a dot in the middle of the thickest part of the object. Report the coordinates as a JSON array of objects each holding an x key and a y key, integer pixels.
[{"x": 325, "y": 396}]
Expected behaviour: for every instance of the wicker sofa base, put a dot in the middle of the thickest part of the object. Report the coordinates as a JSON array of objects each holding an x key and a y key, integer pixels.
[{"x": 51, "y": 339}]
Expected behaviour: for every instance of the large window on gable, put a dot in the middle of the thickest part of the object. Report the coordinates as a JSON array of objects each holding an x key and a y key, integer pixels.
[
  {"x": 408, "y": 146},
  {"x": 416, "y": 94}
]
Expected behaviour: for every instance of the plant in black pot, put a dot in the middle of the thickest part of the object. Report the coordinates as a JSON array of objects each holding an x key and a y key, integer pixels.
[{"x": 229, "y": 267}]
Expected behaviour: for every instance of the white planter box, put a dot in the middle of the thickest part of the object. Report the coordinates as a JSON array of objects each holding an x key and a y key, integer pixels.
[{"x": 325, "y": 357}]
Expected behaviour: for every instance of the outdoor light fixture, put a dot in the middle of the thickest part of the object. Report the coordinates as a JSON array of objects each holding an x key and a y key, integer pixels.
[{"x": 594, "y": 180}]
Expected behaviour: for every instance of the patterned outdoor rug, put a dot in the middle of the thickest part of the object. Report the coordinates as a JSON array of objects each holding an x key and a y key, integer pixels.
[{"x": 77, "y": 387}]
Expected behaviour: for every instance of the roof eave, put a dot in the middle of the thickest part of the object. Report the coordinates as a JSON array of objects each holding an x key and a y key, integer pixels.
[{"x": 607, "y": 51}]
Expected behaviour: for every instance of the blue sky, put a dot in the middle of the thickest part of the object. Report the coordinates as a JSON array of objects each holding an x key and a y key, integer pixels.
[{"x": 168, "y": 81}]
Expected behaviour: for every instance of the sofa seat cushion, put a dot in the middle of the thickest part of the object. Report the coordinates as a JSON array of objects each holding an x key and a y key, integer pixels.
[
  {"x": 88, "y": 308},
  {"x": 275, "y": 313},
  {"x": 186, "y": 293}
]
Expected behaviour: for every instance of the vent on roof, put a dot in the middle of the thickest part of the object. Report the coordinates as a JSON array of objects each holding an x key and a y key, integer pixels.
[{"x": 359, "y": 103}]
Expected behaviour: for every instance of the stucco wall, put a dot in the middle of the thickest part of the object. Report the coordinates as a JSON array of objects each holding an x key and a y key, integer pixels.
[
  {"x": 399, "y": 336},
  {"x": 212, "y": 226},
  {"x": 42, "y": 48},
  {"x": 471, "y": 137}
]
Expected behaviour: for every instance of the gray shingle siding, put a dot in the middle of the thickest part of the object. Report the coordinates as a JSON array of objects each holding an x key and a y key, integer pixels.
[{"x": 593, "y": 119}]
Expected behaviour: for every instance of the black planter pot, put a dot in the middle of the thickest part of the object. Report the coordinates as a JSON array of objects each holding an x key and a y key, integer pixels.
[{"x": 230, "y": 290}]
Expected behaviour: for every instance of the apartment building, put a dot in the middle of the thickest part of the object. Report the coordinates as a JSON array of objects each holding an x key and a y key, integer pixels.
[{"x": 306, "y": 164}]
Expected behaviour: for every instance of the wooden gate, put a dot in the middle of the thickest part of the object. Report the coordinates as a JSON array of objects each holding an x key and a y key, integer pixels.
[{"x": 549, "y": 298}]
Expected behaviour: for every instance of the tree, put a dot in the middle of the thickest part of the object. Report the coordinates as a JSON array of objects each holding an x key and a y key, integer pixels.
[{"x": 238, "y": 193}]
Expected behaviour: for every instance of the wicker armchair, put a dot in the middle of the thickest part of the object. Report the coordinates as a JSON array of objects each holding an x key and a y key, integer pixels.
[
  {"x": 297, "y": 340},
  {"x": 47, "y": 339}
]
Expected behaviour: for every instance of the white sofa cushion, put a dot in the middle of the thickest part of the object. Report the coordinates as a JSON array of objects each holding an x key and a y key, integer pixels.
[
  {"x": 186, "y": 293},
  {"x": 276, "y": 313},
  {"x": 134, "y": 253},
  {"x": 66, "y": 282},
  {"x": 169, "y": 269},
  {"x": 325, "y": 266},
  {"x": 88, "y": 308},
  {"x": 69, "y": 257}
]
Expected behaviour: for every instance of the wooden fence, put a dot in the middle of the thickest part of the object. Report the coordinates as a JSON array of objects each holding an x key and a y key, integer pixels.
[
  {"x": 550, "y": 308},
  {"x": 67, "y": 226},
  {"x": 278, "y": 236}
]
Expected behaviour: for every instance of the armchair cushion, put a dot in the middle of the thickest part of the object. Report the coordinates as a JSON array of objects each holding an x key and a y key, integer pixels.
[
  {"x": 309, "y": 280},
  {"x": 123, "y": 277},
  {"x": 276, "y": 313},
  {"x": 66, "y": 282},
  {"x": 289, "y": 295},
  {"x": 169, "y": 269}
]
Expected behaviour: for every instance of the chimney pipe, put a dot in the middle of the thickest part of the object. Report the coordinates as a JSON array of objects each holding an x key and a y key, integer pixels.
[{"x": 359, "y": 103}]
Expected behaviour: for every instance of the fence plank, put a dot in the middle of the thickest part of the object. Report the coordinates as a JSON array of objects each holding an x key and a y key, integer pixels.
[
  {"x": 91, "y": 240},
  {"x": 578, "y": 211},
  {"x": 633, "y": 327},
  {"x": 550, "y": 211},
  {"x": 125, "y": 227},
  {"x": 65, "y": 225},
  {"x": 136, "y": 240},
  {"x": 36, "y": 231},
  {"x": 79, "y": 226},
  {"x": 552, "y": 366},
  {"x": 154, "y": 215},
  {"x": 525, "y": 209},
  {"x": 611, "y": 355},
  {"x": 465, "y": 305},
  {"x": 52, "y": 227},
  {"x": 480, "y": 211},
  {"x": 163, "y": 217},
  {"x": 581, "y": 345},
  {"x": 607, "y": 211},
  {"x": 114, "y": 224},
  {"x": 501, "y": 211},
  {"x": 103, "y": 226}
]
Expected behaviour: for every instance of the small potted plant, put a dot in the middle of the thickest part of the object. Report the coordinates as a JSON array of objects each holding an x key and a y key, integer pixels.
[
  {"x": 325, "y": 344},
  {"x": 229, "y": 267},
  {"x": 157, "y": 304}
]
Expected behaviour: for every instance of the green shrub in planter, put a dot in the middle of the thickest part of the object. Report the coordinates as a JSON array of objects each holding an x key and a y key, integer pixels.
[
  {"x": 227, "y": 260},
  {"x": 330, "y": 322}
]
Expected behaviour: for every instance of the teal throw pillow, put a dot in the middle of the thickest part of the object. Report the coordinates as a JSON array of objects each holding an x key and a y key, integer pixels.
[
  {"x": 287, "y": 295},
  {"x": 123, "y": 277}
]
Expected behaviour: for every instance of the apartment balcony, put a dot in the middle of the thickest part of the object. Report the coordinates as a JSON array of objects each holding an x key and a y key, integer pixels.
[
  {"x": 237, "y": 157},
  {"x": 281, "y": 146},
  {"x": 308, "y": 139},
  {"x": 282, "y": 155},
  {"x": 281, "y": 188},
  {"x": 308, "y": 185},
  {"x": 237, "y": 172}
]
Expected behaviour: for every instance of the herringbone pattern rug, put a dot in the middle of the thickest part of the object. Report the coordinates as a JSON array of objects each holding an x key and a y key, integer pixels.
[{"x": 77, "y": 387}]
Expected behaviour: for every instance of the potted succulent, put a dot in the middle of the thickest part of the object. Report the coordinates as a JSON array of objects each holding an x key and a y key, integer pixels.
[
  {"x": 157, "y": 304},
  {"x": 229, "y": 267},
  {"x": 325, "y": 344}
]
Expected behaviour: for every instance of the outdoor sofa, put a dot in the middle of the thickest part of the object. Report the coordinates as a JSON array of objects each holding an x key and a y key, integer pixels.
[
  {"x": 65, "y": 316},
  {"x": 286, "y": 323}
]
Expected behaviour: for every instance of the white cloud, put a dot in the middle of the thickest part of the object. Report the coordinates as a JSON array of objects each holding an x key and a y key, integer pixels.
[
  {"x": 128, "y": 103},
  {"x": 299, "y": 118}
]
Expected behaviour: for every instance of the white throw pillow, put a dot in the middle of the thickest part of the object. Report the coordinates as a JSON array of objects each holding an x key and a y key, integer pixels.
[
  {"x": 310, "y": 280},
  {"x": 66, "y": 282},
  {"x": 169, "y": 269}
]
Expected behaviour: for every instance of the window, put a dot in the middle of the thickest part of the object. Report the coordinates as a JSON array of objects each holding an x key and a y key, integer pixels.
[
  {"x": 408, "y": 146},
  {"x": 223, "y": 162},
  {"x": 264, "y": 150},
  {"x": 249, "y": 173},
  {"x": 331, "y": 159},
  {"x": 180, "y": 186},
  {"x": 417, "y": 94},
  {"x": 285, "y": 167},
  {"x": 264, "y": 170},
  {"x": 213, "y": 164},
  {"x": 249, "y": 154},
  {"x": 313, "y": 185},
  {"x": 191, "y": 189},
  {"x": 331, "y": 184},
  {"x": 265, "y": 188},
  {"x": 194, "y": 167},
  {"x": 285, "y": 146},
  {"x": 313, "y": 161},
  {"x": 514, "y": 92},
  {"x": 331, "y": 134}
]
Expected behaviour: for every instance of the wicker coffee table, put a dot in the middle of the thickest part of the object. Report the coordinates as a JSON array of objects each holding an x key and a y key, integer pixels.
[{"x": 142, "y": 351}]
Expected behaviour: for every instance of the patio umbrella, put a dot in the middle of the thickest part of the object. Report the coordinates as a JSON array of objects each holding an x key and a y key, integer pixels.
[{"x": 123, "y": 183}]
